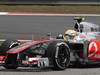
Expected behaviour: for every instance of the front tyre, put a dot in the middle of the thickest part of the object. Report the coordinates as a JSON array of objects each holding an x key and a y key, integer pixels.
[
  {"x": 11, "y": 60},
  {"x": 59, "y": 54},
  {"x": 8, "y": 44}
]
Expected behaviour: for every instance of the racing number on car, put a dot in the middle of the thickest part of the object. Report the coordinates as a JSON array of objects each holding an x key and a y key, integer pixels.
[{"x": 92, "y": 49}]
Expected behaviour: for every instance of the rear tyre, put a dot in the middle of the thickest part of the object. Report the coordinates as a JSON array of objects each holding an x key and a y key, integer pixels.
[{"x": 58, "y": 53}]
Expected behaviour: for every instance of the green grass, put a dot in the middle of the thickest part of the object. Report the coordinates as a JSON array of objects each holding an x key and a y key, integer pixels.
[{"x": 82, "y": 9}]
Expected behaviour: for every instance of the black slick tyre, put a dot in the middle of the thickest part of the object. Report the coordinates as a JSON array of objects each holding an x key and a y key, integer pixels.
[
  {"x": 11, "y": 60},
  {"x": 58, "y": 53},
  {"x": 8, "y": 44}
]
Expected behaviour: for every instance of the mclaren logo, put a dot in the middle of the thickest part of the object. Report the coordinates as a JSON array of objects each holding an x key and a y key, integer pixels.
[{"x": 92, "y": 49}]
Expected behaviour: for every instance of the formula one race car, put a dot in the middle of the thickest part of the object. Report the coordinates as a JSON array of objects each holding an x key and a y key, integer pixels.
[
  {"x": 53, "y": 53},
  {"x": 81, "y": 45}
]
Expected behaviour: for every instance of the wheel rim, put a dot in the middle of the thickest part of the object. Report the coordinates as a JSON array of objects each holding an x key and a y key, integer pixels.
[{"x": 63, "y": 56}]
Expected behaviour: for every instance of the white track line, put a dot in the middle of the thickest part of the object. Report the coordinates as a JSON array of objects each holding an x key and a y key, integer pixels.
[
  {"x": 44, "y": 14},
  {"x": 1, "y": 40},
  {"x": 3, "y": 13}
]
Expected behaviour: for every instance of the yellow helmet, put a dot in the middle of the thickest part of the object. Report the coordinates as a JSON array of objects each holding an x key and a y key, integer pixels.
[{"x": 69, "y": 34}]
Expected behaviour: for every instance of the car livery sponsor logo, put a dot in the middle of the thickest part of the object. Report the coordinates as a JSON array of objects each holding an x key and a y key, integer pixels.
[
  {"x": 97, "y": 56},
  {"x": 82, "y": 36},
  {"x": 92, "y": 49}
]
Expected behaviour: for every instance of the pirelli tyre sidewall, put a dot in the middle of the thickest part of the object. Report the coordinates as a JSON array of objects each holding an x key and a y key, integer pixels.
[
  {"x": 8, "y": 44},
  {"x": 59, "y": 54},
  {"x": 11, "y": 60}
]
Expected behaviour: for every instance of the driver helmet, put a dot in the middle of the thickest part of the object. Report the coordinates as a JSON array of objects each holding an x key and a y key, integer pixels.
[{"x": 69, "y": 34}]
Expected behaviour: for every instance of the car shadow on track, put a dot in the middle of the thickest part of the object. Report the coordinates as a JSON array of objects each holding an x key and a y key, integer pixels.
[
  {"x": 78, "y": 66},
  {"x": 26, "y": 70},
  {"x": 30, "y": 70},
  {"x": 21, "y": 69}
]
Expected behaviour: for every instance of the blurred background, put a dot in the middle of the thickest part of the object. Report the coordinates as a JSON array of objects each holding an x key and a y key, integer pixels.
[{"x": 50, "y": 1}]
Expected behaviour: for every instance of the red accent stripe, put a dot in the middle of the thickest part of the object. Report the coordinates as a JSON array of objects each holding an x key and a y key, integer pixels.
[{"x": 26, "y": 46}]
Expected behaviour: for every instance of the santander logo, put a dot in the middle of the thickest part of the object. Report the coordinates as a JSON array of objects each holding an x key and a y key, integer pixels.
[{"x": 92, "y": 49}]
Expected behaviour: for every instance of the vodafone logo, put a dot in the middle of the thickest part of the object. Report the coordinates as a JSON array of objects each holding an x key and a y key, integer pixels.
[{"x": 92, "y": 49}]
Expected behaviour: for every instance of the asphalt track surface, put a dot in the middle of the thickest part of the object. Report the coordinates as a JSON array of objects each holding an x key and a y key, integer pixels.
[
  {"x": 22, "y": 26},
  {"x": 25, "y": 26}
]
